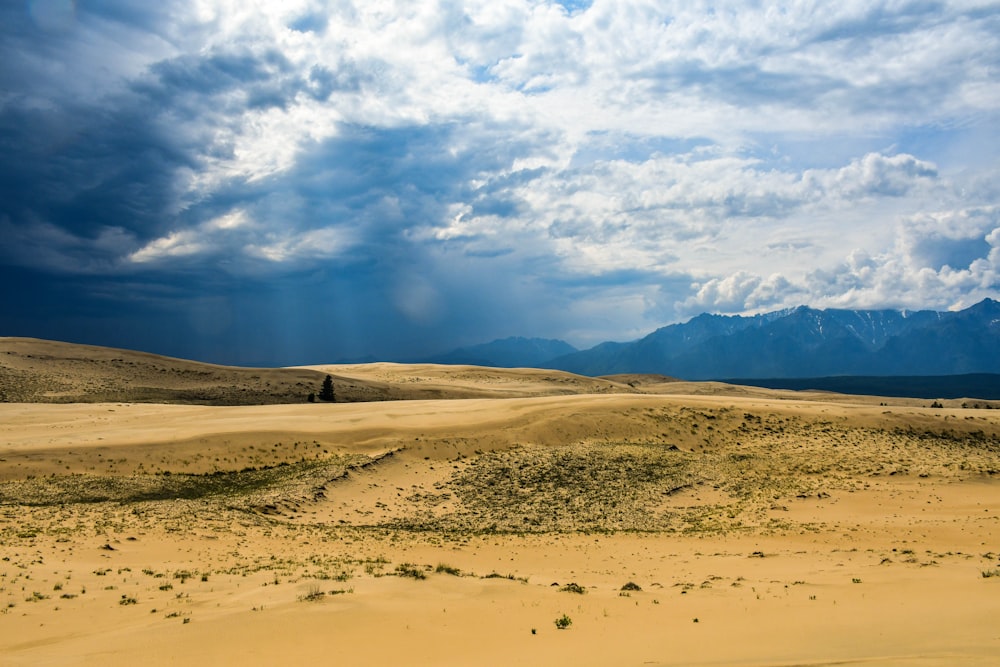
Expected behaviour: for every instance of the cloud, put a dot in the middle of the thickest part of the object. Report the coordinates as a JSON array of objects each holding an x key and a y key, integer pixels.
[
  {"x": 955, "y": 239},
  {"x": 941, "y": 260},
  {"x": 312, "y": 244},
  {"x": 175, "y": 244},
  {"x": 740, "y": 292},
  {"x": 891, "y": 176},
  {"x": 42, "y": 246}
]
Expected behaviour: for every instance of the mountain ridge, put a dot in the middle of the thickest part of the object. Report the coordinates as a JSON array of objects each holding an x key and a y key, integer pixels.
[
  {"x": 798, "y": 342},
  {"x": 807, "y": 342}
]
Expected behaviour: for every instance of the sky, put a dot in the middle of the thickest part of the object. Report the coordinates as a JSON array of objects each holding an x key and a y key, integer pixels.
[{"x": 306, "y": 181}]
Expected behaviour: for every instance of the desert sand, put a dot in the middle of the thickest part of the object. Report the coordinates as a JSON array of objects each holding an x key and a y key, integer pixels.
[{"x": 664, "y": 523}]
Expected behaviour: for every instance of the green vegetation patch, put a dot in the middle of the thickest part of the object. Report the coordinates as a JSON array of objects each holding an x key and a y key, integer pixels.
[
  {"x": 248, "y": 485},
  {"x": 576, "y": 487}
]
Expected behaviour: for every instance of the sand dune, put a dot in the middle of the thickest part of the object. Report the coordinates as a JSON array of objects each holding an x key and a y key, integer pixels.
[
  {"x": 447, "y": 381},
  {"x": 699, "y": 524},
  {"x": 33, "y": 370}
]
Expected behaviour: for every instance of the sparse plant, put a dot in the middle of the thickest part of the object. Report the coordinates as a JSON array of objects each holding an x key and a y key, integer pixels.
[
  {"x": 127, "y": 600},
  {"x": 509, "y": 577},
  {"x": 573, "y": 587},
  {"x": 374, "y": 567},
  {"x": 313, "y": 594},
  {"x": 410, "y": 570},
  {"x": 448, "y": 569},
  {"x": 631, "y": 586}
]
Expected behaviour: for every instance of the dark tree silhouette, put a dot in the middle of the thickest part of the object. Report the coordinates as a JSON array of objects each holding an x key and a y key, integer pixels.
[{"x": 326, "y": 393}]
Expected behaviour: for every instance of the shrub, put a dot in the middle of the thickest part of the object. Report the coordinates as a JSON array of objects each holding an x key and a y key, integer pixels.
[
  {"x": 563, "y": 622},
  {"x": 312, "y": 595},
  {"x": 410, "y": 570}
]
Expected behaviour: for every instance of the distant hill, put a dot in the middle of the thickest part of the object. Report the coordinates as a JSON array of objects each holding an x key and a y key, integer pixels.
[
  {"x": 806, "y": 343},
  {"x": 513, "y": 352},
  {"x": 44, "y": 371},
  {"x": 979, "y": 385}
]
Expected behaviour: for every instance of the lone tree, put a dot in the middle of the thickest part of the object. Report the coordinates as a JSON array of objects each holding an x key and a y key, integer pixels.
[{"x": 326, "y": 393}]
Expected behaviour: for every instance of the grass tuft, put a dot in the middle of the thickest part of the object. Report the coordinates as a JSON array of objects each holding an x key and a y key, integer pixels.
[{"x": 410, "y": 570}]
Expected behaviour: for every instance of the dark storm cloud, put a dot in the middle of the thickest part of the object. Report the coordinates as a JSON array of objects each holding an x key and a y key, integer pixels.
[
  {"x": 374, "y": 184},
  {"x": 112, "y": 166},
  {"x": 213, "y": 74},
  {"x": 379, "y": 183},
  {"x": 86, "y": 171}
]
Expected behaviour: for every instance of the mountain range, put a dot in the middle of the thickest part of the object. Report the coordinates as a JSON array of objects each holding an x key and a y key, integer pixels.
[{"x": 800, "y": 342}]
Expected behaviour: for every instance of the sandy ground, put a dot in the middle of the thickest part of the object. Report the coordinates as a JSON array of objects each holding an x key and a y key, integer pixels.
[{"x": 712, "y": 527}]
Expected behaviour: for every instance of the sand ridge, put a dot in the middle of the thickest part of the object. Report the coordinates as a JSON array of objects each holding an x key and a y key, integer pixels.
[{"x": 34, "y": 370}]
